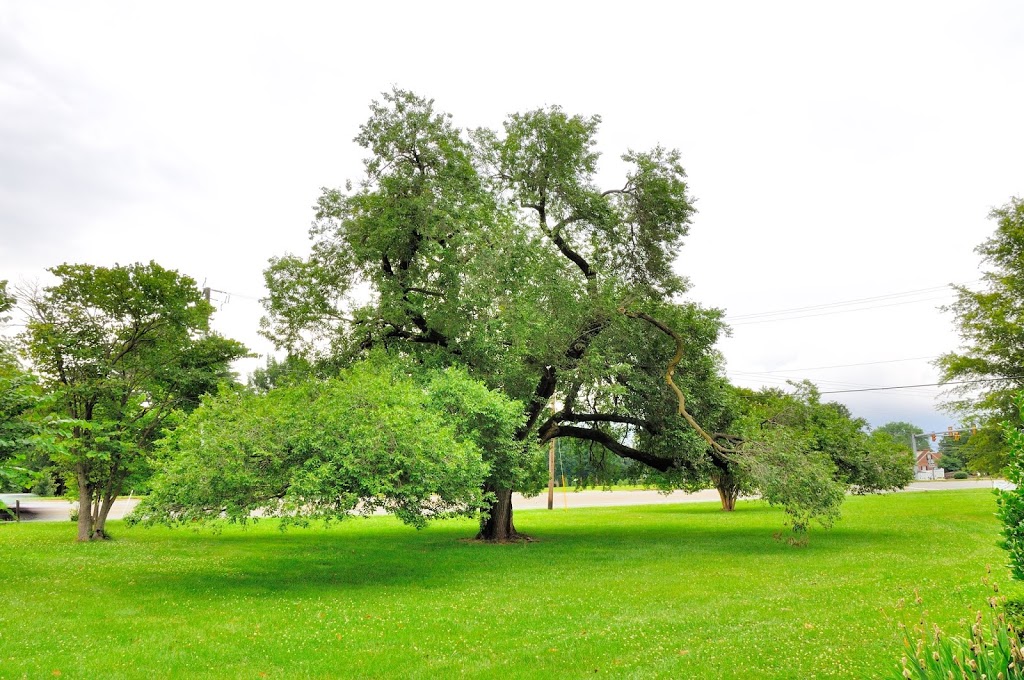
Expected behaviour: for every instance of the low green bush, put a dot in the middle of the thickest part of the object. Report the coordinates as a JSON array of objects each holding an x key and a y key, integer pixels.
[{"x": 961, "y": 475}]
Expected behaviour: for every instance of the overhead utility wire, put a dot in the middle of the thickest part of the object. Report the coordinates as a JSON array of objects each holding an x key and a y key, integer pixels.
[
  {"x": 841, "y": 303},
  {"x": 904, "y": 387},
  {"x": 782, "y": 380},
  {"x": 835, "y": 311},
  {"x": 864, "y": 363}
]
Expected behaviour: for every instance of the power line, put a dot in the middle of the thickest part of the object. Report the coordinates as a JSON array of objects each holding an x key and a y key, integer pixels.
[
  {"x": 821, "y": 368},
  {"x": 838, "y": 311},
  {"x": 782, "y": 380},
  {"x": 841, "y": 303},
  {"x": 904, "y": 387}
]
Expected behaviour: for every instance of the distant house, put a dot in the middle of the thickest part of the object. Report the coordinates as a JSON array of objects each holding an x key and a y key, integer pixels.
[
  {"x": 927, "y": 466},
  {"x": 927, "y": 460}
]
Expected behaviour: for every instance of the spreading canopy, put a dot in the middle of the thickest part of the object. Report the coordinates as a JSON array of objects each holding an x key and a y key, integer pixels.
[{"x": 497, "y": 251}]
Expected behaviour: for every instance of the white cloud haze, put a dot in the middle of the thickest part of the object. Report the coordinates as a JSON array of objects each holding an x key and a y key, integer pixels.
[{"x": 838, "y": 151}]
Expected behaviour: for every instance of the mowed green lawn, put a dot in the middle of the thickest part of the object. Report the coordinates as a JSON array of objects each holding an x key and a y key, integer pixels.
[{"x": 674, "y": 591}]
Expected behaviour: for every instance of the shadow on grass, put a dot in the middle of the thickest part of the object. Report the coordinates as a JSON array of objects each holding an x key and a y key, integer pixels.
[{"x": 378, "y": 553}]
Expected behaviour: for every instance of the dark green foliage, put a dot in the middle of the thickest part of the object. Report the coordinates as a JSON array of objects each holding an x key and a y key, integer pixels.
[
  {"x": 22, "y": 425},
  {"x": 954, "y": 451},
  {"x": 1011, "y": 503},
  {"x": 29, "y": 431},
  {"x": 291, "y": 370}
]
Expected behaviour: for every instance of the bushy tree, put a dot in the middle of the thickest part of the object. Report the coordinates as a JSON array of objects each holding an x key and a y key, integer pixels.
[
  {"x": 804, "y": 455},
  {"x": 28, "y": 432},
  {"x": 120, "y": 349},
  {"x": 495, "y": 251},
  {"x": 373, "y": 438},
  {"x": 952, "y": 450}
]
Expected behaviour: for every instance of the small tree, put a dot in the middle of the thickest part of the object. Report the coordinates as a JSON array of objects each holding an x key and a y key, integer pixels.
[{"x": 120, "y": 349}]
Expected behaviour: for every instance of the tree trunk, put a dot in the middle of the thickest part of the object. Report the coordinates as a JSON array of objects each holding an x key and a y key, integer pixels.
[
  {"x": 99, "y": 528},
  {"x": 728, "y": 490},
  {"x": 84, "y": 504},
  {"x": 497, "y": 526}
]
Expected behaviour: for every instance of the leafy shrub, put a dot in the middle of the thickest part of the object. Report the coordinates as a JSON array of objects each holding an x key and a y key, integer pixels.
[
  {"x": 1011, "y": 503},
  {"x": 960, "y": 475}
]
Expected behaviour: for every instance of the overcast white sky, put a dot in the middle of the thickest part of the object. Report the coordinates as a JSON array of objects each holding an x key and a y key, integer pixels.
[{"x": 838, "y": 151}]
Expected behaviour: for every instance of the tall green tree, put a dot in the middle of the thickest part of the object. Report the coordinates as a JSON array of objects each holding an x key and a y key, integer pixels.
[
  {"x": 991, "y": 327},
  {"x": 496, "y": 250},
  {"x": 901, "y": 431},
  {"x": 120, "y": 349}
]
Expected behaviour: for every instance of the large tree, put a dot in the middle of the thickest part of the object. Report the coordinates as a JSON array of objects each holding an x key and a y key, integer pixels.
[
  {"x": 987, "y": 371},
  {"x": 497, "y": 250},
  {"x": 120, "y": 348}
]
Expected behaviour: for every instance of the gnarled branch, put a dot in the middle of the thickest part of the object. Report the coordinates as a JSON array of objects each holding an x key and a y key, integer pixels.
[
  {"x": 716, "y": 448},
  {"x": 613, "y": 445}
]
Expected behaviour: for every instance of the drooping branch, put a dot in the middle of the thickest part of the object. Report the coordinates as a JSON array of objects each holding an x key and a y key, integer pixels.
[
  {"x": 613, "y": 445},
  {"x": 607, "y": 418},
  {"x": 717, "y": 448}
]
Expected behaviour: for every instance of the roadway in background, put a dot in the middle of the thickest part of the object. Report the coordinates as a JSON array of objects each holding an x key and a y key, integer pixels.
[{"x": 56, "y": 510}]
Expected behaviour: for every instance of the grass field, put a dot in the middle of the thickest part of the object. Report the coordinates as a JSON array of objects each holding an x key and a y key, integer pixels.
[{"x": 680, "y": 591}]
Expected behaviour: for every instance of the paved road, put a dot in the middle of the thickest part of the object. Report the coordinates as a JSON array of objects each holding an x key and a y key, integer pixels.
[{"x": 43, "y": 510}]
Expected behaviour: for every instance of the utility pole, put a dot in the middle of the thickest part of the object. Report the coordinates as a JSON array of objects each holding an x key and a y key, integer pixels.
[{"x": 551, "y": 474}]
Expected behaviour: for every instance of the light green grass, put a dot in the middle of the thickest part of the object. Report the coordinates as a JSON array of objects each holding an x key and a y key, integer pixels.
[{"x": 674, "y": 591}]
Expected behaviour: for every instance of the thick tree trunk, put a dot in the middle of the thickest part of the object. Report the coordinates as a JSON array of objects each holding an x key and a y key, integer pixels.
[
  {"x": 497, "y": 526},
  {"x": 728, "y": 491},
  {"x": 84, "y": 504}
]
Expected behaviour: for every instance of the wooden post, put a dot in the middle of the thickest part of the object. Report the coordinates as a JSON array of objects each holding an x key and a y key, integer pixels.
[
  {"x": 551, "y": 475},
  {"x": 17, "y": 510}
]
